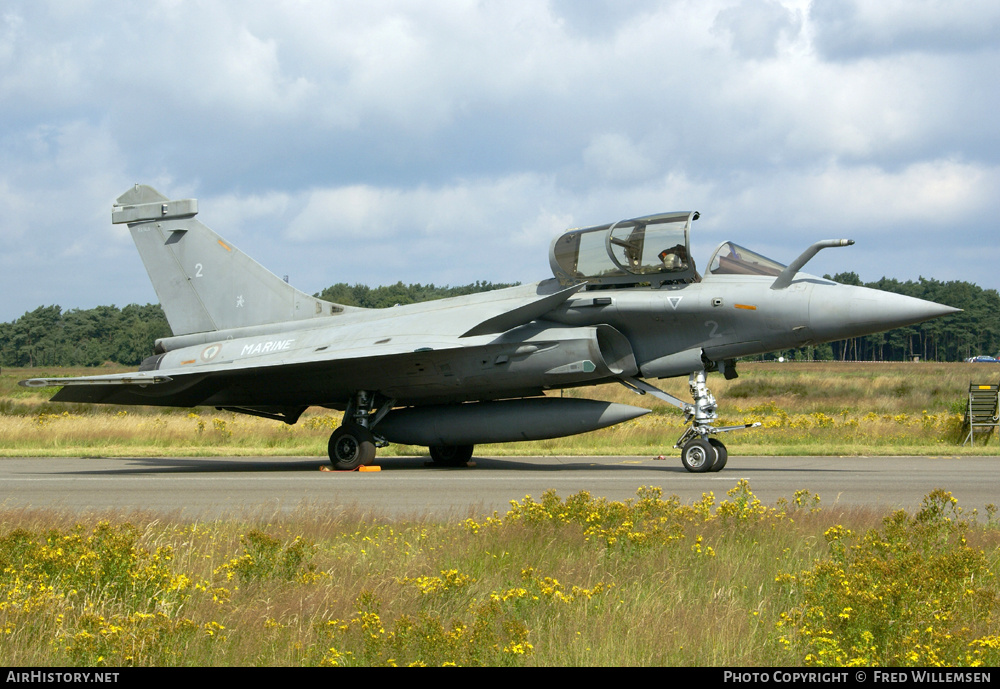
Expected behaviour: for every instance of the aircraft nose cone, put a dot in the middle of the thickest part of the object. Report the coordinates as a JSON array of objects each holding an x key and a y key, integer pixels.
[
  {"x": 847, "y": 311},
  {"x": 894, "y": 310}
]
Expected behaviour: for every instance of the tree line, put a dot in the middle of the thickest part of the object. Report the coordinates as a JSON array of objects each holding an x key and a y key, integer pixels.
[
  {"x": 391, "y": 295},
  {"x": 48, "y": 336}
]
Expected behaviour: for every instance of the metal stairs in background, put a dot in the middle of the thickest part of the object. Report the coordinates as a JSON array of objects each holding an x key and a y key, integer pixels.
[{"x": 983, "y": 412}]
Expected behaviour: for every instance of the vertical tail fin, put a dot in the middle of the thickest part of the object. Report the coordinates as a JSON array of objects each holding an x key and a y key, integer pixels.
[{"x": 203, "y": 282}]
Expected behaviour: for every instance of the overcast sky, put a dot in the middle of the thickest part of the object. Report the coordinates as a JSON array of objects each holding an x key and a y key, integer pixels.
[{"x": 449, "y": 141}]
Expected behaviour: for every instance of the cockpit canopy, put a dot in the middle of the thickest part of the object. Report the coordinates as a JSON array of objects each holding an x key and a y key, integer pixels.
[
  {"x": 733, "y": 259},
  {"x": 654, "y": 249}
]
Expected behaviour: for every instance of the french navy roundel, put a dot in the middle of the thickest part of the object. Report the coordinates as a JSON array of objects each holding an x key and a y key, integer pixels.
[{"x": 210, "y": 352}]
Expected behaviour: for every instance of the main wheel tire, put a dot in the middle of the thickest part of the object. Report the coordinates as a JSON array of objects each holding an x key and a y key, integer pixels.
[
  {"x": 351, "y": 446},
  {"x": 451, "y": 455},
  {"x": 722, "y": 452},
  {"x": 698, "y": 456}
]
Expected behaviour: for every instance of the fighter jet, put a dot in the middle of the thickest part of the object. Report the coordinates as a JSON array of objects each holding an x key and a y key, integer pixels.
[{"x": 625, "y": 305}]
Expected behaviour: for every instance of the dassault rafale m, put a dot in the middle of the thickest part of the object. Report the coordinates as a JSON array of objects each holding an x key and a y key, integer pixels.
[{"x": 625, "y": 304}]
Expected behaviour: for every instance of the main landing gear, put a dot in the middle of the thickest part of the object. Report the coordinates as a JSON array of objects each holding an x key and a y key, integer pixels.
[
  {"x": 451, "y": 455},
  {"x": 699, "y": 451},
  {"x": 353, "y": 444}
]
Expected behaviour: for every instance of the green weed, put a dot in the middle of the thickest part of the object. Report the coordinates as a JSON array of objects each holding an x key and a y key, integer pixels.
[
  {"x": 913, "y": 592},
  {"x": 579, "y": 580}
]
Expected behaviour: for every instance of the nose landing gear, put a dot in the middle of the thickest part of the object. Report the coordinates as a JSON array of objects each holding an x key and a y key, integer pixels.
[{"x": 699, "y": 451}]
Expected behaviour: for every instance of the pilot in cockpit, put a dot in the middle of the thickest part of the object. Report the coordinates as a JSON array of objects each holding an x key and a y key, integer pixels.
[{"x": 674, "y": 258}]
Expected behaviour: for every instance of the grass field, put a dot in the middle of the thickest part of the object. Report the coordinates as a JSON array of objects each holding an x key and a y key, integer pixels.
[
  {"x": 830, "y": 408},
  {"x": 553, "y": 582}
]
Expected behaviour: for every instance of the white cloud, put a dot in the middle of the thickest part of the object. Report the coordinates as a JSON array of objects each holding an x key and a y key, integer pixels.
[
  {"x": 851, "y": 29},
  {"x": 231, "y": 213},
  {"x": 449, "y": 141},
  {"x": 922, "y": 197},
  {"x": 756, "y": 27},
  {"x": 615, "y": 158},
  {"x": 346, "y": 213}
]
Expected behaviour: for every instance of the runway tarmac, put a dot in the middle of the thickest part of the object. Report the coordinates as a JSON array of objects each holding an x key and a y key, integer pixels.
[{"x": 199, "y": 488}]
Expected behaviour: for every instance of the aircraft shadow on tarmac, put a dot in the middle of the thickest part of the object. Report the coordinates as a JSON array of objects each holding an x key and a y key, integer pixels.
[
  {"x": 261, "y": 465},
  {"x": 212, "y": 465}
]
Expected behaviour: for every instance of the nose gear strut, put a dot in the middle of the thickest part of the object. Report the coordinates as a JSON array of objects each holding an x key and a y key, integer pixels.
[{"x": 699, "y": 451}]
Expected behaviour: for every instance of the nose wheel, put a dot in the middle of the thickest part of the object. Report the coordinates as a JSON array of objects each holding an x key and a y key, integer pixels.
[
  {"x": 723, "y": 454},
  {"x": 700, "y": 455}
]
